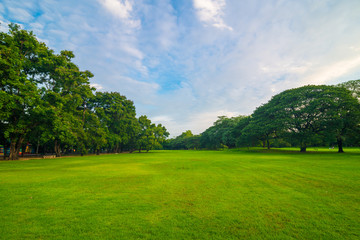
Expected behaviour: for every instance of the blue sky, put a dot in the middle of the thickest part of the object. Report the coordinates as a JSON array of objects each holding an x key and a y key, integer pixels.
[{"x": 184, "y": 63}]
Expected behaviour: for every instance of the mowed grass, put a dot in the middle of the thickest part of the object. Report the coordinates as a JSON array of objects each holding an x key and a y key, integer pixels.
[{"x": 183, "y": 195}]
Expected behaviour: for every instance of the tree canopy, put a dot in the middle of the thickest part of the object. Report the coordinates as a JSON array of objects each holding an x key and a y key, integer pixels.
[
  {"x": 46, "y": 100},
  {"x": 305, "y": 116}
]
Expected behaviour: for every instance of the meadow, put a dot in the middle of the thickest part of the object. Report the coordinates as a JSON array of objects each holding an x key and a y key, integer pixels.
[{"x": 238, "y": 194}]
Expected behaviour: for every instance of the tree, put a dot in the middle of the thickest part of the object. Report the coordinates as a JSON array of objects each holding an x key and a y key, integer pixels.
[
  {"x": 304, "y": 114},
  {"x": 47, "y": 99},
  {"x": 118, "y": 116},
  {"x": 263, "y": 125},
  {"x": 353, "y": 86},
  {"x": 66, "y": 91},
  {"x": 222, "y": 133},
  {"x": 186, "y": 140},
  {"x": 344, "y": 114},
  {"x": 20, "y": 102}
]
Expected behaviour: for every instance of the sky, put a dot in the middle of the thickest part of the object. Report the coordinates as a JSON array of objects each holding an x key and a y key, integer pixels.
[{"x": 186, "y": 62}]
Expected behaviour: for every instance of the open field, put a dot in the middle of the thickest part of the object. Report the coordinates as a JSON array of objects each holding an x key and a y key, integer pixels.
[{"x": 183, "y": 195}]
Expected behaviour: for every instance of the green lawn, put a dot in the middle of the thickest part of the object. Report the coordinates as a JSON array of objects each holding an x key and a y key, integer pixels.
[{"x": 183, "y": 195}]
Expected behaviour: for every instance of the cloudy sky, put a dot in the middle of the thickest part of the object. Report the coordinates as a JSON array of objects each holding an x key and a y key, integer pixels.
[{"x": 185, "y": 62}]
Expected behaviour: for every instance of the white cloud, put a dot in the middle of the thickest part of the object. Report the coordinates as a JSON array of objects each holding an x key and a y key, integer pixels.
[
  {"x": 332, "y": 71},
  {"x": 274, "y": 45},
  {"x": 20, "y": 14},
  {"x": 161, "y": 119},
  {"x": 141, "y": 92},
  {"x": 133, "y": 51},
  {"x": 211, "y": 12},
  {"x": 121, "y": 9},
  {"x": 3, "y": 26},
  {"x": 98, "y": 87}
]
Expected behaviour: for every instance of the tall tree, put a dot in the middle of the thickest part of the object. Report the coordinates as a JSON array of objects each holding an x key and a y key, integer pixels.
[
  {"x": 263, "y": 125},
  {"x": 302, "y": 114},
  {"x": 66, "y": 91},
  {"x": 222, "y": 133},
  {"x": 20, "y": 101},
  {"x": 118, "y": 115}
]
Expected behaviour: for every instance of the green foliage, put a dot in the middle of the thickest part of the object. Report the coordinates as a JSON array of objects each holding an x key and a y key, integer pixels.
[
  {"x": 353, "y": 86},
  {"x": 20, "y": 99},
  {"x": 150, "y": 135},
  {"x": 224, "y": 132},
  {"x": 46, "y": 99},
  {"x": 117, "y": 116},
  {"x": 303, "y": 115},
  {"x": 184, "y": 141}
]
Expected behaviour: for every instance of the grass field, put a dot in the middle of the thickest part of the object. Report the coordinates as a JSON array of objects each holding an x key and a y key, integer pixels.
[{"x": 183, "y": 195}]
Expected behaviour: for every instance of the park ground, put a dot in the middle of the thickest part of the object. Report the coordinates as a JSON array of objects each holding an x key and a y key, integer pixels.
[{"x": 234, "y": 194}]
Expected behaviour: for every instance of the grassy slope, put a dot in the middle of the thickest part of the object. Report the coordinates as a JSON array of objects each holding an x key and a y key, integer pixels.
[{"x": 182, "y": 195}]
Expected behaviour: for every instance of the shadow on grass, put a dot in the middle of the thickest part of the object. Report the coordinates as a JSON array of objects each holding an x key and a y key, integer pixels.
[{"x": 355, "y": 151}]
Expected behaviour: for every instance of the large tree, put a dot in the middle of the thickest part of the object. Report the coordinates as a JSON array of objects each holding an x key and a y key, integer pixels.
[
  {"x": 223, "y": 133},
  {"x": 21, "y": 107},
  {"x": 45, "y": 98},
  {"x": 66, "y": 91},
  {"x": 304, "y": 114},
  {"x": 150, "y": 134},
  {"x": 263, "y": 125},
  {"x": 118, "y": 116}
]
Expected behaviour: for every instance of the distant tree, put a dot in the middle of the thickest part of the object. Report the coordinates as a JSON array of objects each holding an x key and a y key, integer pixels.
[
  {"x": 223, "y": 133},
  {"x": 186, "y": 140},
  {"x": 353, "y": 86},
  {"x": 263, "y": 125},
  {"x": 239, "y": 133},
  {"x": 161, "y": 134},
  {"x": 117, "y": 114},
  {"x": 304, "y": 113},
  {"x": 150, "y": 134}
]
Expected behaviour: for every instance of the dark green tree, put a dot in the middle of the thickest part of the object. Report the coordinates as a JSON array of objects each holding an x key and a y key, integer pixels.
[
  {"x": 20, "y": 100},
  {"x": 304, "y": 114},
  {"x": 117, "y": 114},
  {"x": 223, "y": 133},
  {"x": 263, "y": 125},
  {"x": 353, "y": 86}
]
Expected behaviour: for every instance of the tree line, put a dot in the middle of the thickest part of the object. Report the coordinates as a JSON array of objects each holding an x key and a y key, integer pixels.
[
  {"x": 300, "y": 117},
  {"x": 46, "y": 100}
]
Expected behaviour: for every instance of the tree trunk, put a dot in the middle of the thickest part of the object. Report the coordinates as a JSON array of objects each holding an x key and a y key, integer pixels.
[
  {"x": 340, "y": 145},
  {"x": 117, "y": 148},
  {"x": 268, "y": 144},
  {"x": 264, "y": 143},
  {"x": 37, "y": 147},
  {"x": 302, "y": 146},
  {"x": 303, "y": 149},
  {"x": 57, "y": 149},
  {"x": 97, "y": 151},
  {"x": 15, "y": 146}
]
